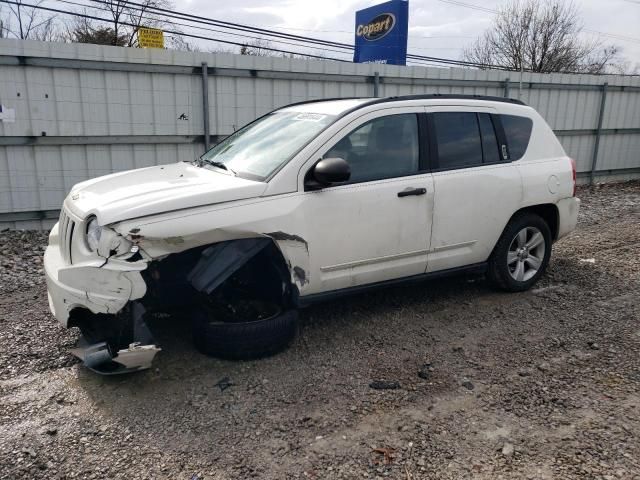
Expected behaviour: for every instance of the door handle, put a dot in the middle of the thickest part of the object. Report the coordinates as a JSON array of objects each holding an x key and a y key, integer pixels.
[{"x": 412, "y": 191}]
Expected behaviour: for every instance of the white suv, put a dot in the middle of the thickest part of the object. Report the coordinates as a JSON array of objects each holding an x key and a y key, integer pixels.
[{"x": 311, "y": 201}]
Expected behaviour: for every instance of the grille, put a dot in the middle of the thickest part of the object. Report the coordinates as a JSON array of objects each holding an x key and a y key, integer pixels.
[{"x": 65, "y": 227}]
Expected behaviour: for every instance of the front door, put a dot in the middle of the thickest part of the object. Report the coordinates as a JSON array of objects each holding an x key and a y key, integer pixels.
[{"x": 376, "y": 226}]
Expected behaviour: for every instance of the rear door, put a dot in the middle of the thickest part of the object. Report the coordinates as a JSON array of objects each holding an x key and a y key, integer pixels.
[{"x": 476, "y": 186}]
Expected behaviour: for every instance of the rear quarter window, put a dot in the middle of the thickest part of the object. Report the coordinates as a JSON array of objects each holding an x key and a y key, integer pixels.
[{"x": 518, "y": 132}]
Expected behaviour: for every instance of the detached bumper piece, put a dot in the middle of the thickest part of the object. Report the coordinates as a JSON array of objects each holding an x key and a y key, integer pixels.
[{"x": 107, "y": 357}]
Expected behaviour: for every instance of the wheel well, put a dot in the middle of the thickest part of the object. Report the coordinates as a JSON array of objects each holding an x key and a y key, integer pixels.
[
  {"x": 548, "y": 212},
  {"x": 265, "y": 274}
]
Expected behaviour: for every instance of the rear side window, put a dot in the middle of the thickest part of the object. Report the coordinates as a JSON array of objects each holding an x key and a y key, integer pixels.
[
  {"x": 518, "y": 132},
  {"x": 458, "y": 138}
]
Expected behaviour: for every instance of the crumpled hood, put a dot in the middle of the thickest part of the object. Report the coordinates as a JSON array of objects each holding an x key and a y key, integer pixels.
[{"x": 147, "y": 191}]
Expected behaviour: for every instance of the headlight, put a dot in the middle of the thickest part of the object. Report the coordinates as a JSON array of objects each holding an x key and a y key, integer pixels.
[{"x": 94, "y": 232}]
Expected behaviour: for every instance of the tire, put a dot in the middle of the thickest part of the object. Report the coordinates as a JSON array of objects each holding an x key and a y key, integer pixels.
[
  {"x": 522, "y": 253},
  {"x": 243, "y": 340}
]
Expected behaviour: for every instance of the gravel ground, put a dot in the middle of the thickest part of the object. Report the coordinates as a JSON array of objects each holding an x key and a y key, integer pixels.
[{"x": 542, "y": 384}]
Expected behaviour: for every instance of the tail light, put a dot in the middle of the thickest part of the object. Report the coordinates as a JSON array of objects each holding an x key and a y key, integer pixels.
[{"x": 573, "y": 172}]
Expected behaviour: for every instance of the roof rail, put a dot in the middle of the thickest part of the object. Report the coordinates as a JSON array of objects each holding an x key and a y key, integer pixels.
[
  {"x": 316, "y": 100},
  {"x": 398, "y": 98},
  {"x": 447, "y": 96}
]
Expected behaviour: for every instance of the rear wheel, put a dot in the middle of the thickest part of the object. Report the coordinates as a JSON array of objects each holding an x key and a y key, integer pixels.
[{"x": 522, "y": 253}]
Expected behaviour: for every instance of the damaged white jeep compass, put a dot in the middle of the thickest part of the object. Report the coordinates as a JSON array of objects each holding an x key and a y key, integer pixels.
[{"x": 311, "y": 201}]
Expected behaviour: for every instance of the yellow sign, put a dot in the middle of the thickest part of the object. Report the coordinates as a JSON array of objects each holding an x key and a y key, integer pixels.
[{"x": 150, "y": 38}]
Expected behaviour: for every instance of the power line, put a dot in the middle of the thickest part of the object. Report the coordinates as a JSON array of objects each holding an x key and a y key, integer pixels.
[
  {"x": 624, "y": 38},
  {"x": 93, "y": 17},
  {"x": 468, "y": 5},
  {"x": 221, "y": 23},
  {"x": 196, "y": 26},
  {"x": 230, "y": 25},
  {"x": 225, "y": 24}
]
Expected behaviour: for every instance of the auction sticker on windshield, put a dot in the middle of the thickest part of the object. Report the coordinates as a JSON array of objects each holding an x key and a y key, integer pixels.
[{"x": 312, "y": 117}]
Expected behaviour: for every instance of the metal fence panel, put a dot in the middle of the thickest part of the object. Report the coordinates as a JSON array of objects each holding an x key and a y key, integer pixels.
[{"x": 88, "y": 110}]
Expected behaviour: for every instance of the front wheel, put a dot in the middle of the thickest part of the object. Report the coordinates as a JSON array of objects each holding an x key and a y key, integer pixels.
[{"x": 522, "y": 253}]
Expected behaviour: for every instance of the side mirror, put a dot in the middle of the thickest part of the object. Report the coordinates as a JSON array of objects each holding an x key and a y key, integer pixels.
[{"x": 328, "y": 171}]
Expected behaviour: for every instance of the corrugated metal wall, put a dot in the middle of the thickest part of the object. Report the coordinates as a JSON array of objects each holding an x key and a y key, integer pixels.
[{"x": 84, "y": 110}]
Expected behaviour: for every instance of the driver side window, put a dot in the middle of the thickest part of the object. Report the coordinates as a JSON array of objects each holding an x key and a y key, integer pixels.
[{"x": 384, "y": 147}]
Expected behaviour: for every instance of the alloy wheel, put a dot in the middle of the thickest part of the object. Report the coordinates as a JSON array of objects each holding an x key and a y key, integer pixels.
[{"x": 526, "y": 254}]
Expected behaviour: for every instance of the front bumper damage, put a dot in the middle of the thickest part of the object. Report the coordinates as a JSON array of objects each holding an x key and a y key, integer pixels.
[
  {"x": 93, "y": 295},
  {"x": 100, "y": 357},
  {"x": 107, "y": 297}
]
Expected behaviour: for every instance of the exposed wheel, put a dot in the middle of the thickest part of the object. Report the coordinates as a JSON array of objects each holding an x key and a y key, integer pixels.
[
  {"x": 522, "y": 253},
  {"x": 243, "y": 340}
]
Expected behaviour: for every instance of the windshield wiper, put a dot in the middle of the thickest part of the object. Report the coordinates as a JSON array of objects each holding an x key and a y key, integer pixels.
[{"x": 220, "y": 165}]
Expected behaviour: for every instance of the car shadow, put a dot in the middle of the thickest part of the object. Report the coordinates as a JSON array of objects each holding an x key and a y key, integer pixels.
[{"x": 336, "y": 353}]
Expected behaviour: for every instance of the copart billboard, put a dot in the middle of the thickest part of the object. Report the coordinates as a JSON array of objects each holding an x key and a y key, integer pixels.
[{"x": 381, "y": 33}]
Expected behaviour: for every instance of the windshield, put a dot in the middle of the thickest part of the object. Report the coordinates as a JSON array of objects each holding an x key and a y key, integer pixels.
[{"x": 260, "y": 148}]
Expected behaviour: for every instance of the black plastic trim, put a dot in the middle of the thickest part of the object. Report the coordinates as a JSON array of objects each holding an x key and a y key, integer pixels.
[
  {"x": 434, "y": 161},
  {"x": 502, "y": 137},
  {"x": 412, "y": 192},
  {"x": 476, "y": 268},
  {"x": 424, "y": 162},
  {"x": 446, "y": 96}
]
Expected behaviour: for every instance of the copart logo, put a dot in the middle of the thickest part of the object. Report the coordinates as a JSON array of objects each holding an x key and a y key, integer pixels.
[{"x": 377, "y": 28}]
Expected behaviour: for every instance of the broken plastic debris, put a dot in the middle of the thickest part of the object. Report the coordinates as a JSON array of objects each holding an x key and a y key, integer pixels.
[
  {"x": 588, "y": 260},
  {"x": 92, "y": 355},
  {"x": 97, "y": 357},
  {"x": 138, "y": 357},
  {"x": 222, "y": 260}
]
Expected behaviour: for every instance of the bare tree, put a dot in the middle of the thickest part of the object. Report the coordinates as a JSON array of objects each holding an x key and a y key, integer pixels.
[
  {"x": 541, "y": 36},
  {"x": 125, "y": 19},
  {"x": 83, "y": 30},
  {"x": 124, "y": 22},
  {"x": 258, "y": 48},
  {"x": 179, "y": 42},
  {"x": 25, "y": 22},
  {"x": 263, "y": 48}
]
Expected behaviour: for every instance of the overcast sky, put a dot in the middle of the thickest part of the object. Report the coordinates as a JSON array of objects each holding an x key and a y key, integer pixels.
[{"x": 436, "y": 28}]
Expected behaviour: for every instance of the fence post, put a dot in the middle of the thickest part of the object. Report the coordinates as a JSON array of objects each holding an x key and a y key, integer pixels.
[
  {"x": 596, "y": 145},
  {"x": 376, "y": 84},
  {"x": 205, "y": 105},
  {"x": 506, "y": 88}
]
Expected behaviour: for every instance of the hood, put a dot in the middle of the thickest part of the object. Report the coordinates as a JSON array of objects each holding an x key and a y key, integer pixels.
[{"x": 147, "y": 191}]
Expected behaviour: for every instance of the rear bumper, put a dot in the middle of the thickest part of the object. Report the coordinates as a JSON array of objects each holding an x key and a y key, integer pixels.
[
  {"x": 567, "y": 215},
  {"x": 99, "y": 286}
]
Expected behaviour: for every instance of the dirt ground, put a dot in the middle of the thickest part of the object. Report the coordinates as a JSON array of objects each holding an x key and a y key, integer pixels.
[{"x": 537, "y": 385}]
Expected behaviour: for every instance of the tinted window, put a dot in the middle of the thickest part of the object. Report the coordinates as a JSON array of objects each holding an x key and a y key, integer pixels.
[
  {"x": 518, "y": 132},
  {"x": 381, "y": 148},
  {"x": 489, "y": 142},
  {"x": 458, "y": 139}
]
